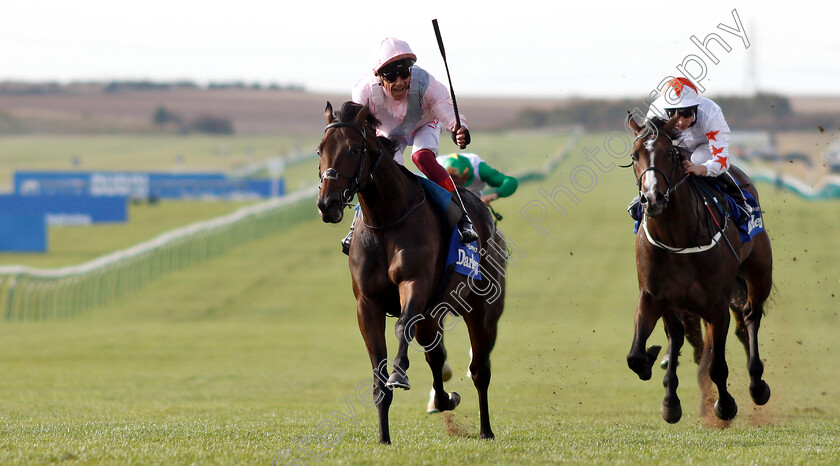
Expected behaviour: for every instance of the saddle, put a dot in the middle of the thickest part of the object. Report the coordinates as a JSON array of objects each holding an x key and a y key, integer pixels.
[{"x": 733, "y": 200}]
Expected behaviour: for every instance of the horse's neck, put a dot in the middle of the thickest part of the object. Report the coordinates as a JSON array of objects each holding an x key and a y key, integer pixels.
[
  {"x": 679, "y": 222},
  {"x": 385, "y": 198}
]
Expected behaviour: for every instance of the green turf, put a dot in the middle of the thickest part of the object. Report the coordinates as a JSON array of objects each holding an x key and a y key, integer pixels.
[{"x": 256, "y": 353}]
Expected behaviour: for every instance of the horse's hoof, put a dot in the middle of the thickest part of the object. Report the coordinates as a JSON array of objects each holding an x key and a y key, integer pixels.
[
  {"x": 431, "y": 408},
  {"x": 664, "y": 363},
  {"x": 671, "y": 414},
  {"x": 446, "y": 372},
  {"x": 487, "y": 435},
  {"x": 760, "y": 392},
  {"x": 652, "y": 352},
  {"x": 454, "y": 400},
  {"x": 727, "y": 410},
  {"x": 397, "y": 380}
]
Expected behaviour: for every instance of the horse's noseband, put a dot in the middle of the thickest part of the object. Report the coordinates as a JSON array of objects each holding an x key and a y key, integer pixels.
[{"x": 333, "y": 174}]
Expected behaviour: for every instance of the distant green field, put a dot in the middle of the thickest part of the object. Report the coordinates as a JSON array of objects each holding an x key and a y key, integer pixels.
[
  {"x": 246, "y": 356},
  {"x": 70, "y": 245}
]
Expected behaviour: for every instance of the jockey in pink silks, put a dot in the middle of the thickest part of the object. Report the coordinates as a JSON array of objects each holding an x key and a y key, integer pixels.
[{"x": 413, "y": 107}]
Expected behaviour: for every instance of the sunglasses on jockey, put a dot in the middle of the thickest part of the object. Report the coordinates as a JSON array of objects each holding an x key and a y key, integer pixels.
[
  {"x": 401, "y": 68},
  {"x": 684, "y": 112}
]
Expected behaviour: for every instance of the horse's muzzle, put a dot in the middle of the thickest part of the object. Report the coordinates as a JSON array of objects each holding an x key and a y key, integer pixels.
[
  {"x": 331, "y": 209},
  {"x": 653, "y": 203}
]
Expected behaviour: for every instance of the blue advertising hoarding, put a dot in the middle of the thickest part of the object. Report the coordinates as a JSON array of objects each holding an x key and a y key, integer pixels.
[
  {"x": 141, "y": 185},
  {"x": 24, "y": 219}
]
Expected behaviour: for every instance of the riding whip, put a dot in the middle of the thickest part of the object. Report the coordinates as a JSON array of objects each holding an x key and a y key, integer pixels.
[
  {"x": 448, "y": 77},
  {"x": 731, "y": 248}
]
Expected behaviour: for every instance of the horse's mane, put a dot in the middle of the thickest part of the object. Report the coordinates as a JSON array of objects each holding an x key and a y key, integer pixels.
[
  {"x": 659, "y": 123},
  {"x": 348, "y": 112},
  {"x": 350, "y": 109}
]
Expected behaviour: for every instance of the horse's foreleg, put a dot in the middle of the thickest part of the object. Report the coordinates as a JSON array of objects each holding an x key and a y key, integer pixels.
[
  {"x": 412, "y": 301},
  {"x": 725, "y": 407},
  {"x": 640, "y": 360},
  {"x": 671, "y": 410},
  {"x": 372, "y": 326}
]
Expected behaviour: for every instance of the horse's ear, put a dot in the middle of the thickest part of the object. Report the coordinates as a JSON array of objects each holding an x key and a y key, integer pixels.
[
  {"x": 669, "y": 127},
  {"x": 328, "y": 113},
  {"x": 633, "y": 125},
  {"x": 362, "y": 115}
]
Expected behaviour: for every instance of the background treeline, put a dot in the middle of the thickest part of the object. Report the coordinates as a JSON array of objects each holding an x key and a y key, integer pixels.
[
  {"x": 762, "y": 111},
  {"x": 26, "y": 88}
]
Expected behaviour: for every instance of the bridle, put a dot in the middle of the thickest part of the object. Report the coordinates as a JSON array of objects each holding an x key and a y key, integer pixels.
[
  {"x": 673, "y": 153},
  {"x": 355, "y": 184}
]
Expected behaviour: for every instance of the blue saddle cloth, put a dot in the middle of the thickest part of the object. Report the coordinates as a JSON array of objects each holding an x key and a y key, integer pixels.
[
  {"x": 747, "y": 230},
  {"x": 462, "y": 258}
]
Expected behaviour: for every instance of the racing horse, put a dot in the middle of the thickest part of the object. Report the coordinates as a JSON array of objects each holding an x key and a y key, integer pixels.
[
  {"x": 684, "y": 265},
  {"x": 397, "y": 260}
]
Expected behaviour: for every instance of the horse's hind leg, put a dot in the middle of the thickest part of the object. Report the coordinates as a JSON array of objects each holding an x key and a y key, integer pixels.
[
  {"x": 694, "y": 334},
  {"x": 725, "y": 407},
  {"x": 482, "y": 339},
  {"x": 692, "y": 324},
  {"x": 412, "y": 306},
  {"x": 758, "y": 272},
  {"x": 430, "y": 337},
  {"x": 640, "y": 360},
  {"x": 738, "y": 303},
  {"x": 671, "y": 410}
]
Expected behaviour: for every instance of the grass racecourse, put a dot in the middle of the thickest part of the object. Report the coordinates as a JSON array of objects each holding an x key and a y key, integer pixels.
[{"x": 255, "y": 357}]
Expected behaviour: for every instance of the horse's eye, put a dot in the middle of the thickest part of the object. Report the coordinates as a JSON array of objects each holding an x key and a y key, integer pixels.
[{"x": 634, "y": 156}]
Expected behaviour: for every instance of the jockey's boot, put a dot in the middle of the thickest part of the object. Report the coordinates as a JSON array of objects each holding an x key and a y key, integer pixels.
[
  {"x": 345, "y": 243},
  {"x": 634, "y": 210},
  {"x": 731, "y": 187},
  {"x": 466, "y": 230},
  {"x": 457, "y": 216}
]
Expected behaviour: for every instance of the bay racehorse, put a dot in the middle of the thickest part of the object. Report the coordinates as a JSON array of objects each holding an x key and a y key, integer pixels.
[
  {"x": 397, "y": 260},
  {"x": 686, "y": 268}
]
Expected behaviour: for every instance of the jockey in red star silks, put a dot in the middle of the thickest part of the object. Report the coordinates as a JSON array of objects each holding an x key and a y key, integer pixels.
[{"x": 702, "y": 130}]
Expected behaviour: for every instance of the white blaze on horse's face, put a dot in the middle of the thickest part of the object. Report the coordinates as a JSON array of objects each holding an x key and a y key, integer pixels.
[{"x": 649, "y": 177}]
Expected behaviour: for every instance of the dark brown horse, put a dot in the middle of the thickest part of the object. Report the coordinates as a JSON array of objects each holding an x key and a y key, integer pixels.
[
  {"x": 397, "y": 260},
  {"x": 685, "y": 267}
]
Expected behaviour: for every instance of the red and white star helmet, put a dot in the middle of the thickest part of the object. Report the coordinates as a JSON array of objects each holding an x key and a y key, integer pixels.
[{"x": 677, "y": 93}]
